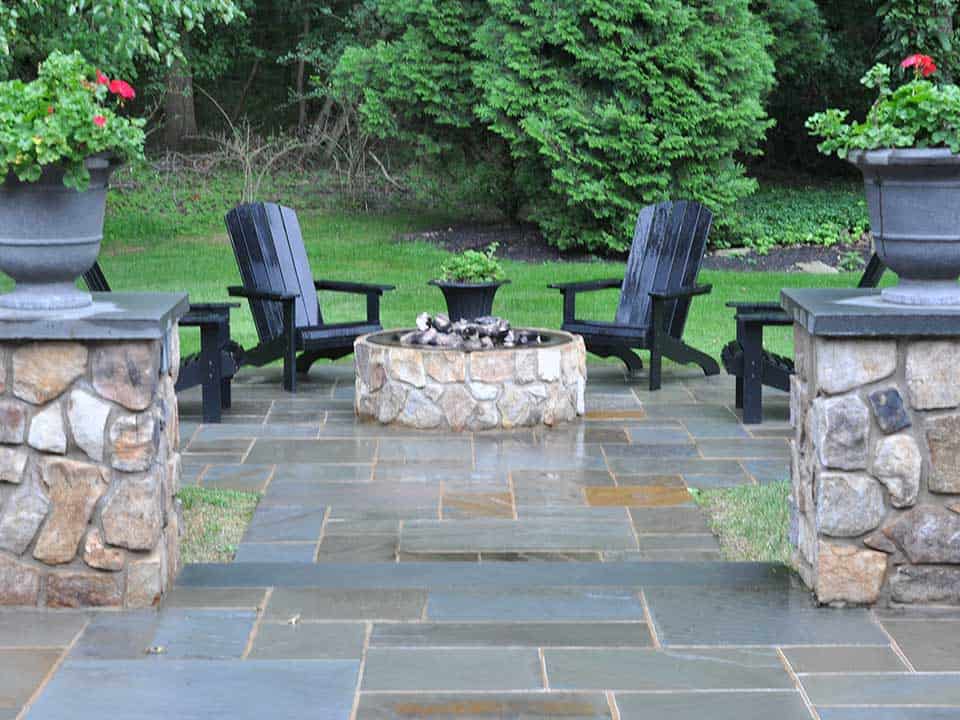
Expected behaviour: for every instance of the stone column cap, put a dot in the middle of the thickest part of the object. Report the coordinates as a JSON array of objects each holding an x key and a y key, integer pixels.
[
  {"x": 112, "y": 316},
  {"x": 855, "y": 312}
]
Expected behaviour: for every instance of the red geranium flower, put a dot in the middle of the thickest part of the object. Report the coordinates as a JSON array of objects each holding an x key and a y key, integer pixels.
[
  {"x": 99, "y": 121},
  {"x": 49, "y": 109},
  {"x": 922, "y": 64},
  {"x": 123, "y": 89},
  {"x": 102, "y": 79}
]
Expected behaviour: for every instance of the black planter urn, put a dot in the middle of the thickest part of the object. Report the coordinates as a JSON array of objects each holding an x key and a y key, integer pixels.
[
  {"x": 913, "y": 196},
  {"x": 466, "y": 300},
  {"x": 50, "y": 235}
]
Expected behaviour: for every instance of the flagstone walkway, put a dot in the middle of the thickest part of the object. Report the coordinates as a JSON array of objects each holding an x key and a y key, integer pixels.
[{"x": 537, "y": 574}]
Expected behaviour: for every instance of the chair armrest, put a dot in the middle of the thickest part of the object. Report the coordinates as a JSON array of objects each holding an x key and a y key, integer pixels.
[
  {"x": 754, "y": 306},
  {"x": 213, "y": 307},
  {"x": 255, "y": 294},
  {"x": 352, "y": 287},
  {"x": 587, "y": 285},
  {"x": 682, "y": 292}
]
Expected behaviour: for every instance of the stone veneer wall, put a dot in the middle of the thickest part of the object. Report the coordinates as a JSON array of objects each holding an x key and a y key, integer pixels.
[
  {"x": 876, "y": 468},
  {"x": 89, "y": 467},
  {"x": 431, "y": 388}
]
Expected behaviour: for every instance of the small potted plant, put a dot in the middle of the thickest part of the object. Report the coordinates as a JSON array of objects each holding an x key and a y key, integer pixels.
[
  {"x": 61, "y": 135},
  {"x": 907, "y": 149},
  {"x": 469, "y": 283}
]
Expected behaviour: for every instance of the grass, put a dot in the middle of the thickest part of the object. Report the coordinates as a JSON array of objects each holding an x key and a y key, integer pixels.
[
  {"x": 752, "y": 521},
  {"x": 160, "y": 237},
  {"x": 213, "y": 523}
]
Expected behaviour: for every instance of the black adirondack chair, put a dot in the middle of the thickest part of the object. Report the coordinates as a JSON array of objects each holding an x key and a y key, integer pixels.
[
  {"x": 655, "y": 293},
  {"x": 219, "y": 358},
  {"x": 753, "y": 366},
  {"x": 282, "y": 293}
]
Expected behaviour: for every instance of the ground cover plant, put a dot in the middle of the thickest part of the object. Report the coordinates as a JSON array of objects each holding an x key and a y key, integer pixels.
[
  {"x": 811, "y": 213},
  {"x": 213, "y": 523},
  {"x": 751, "y": 521}
]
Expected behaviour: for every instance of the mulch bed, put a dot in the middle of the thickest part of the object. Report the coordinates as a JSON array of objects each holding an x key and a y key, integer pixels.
[{"x": 523, "y": 242}]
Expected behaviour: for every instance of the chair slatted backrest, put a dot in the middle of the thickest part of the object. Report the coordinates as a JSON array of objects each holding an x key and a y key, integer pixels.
[
  {"x": 668, "y": 246},
  {"x": 95, "y": 280},
  {"x": 268, "y": 245}
]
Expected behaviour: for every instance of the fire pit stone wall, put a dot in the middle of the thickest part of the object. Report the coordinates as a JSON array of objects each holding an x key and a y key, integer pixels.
[{"x": 436, "y": 388}]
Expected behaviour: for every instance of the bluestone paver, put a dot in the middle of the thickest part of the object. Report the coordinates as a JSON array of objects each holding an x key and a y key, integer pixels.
[
  {"x": 439, "y": 536},
  {"x": 306, "y": 640},
  {"x": 483, "y": 706},
  {"x": 275, "y": 552},
  {"x": 884, "y": 689},
  {"x": 536, "y": 603},
  {"x": 930, "y": 646},
  {"x": 39, "y": 628},
  {"x": 787, "y": 705},
  {"x": 282, "y": 523},
  {"x": 452, "y": 669},
  {"x": 695, "y": 669},
  {"x": 322, "y": 604},
  {"x": 752, "y": 616},
  {"x": 512, "y": 634},
  {"x": 199, "y": 690},
  {"x": 844, "y": 659},
  {"x": 23, "y": 671}
]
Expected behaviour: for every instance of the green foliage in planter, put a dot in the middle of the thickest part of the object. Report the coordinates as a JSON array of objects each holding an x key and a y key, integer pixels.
[
  {"x": 63, "y": 117},
  {"x": 473, "y": 266},
  {"x": 609, "y": 105},
  {"x": 784, "y": 215},
  {"x": 918, "y": 114}
]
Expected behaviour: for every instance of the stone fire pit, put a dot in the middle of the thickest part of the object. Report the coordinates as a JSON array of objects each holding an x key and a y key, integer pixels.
[{"x": 430, "y": 387}]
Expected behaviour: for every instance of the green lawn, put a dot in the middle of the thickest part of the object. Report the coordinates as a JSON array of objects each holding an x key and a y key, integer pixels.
[
  {"x": 164, "y": 236},
  {"x": 751, "y": 521}
]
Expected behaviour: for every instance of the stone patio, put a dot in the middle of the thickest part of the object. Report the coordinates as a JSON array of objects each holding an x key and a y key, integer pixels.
[{"x": 378, "y": 580}]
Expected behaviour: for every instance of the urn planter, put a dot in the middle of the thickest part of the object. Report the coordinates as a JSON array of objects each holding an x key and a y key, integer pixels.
[
  {"x": 466, "y": 300},
  {"x": 913, "y": 196},
  {"x": 50, "y": 235}
]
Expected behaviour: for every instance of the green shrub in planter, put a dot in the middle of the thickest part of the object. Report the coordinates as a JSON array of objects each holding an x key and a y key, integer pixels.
[
  {"x": 473, "y": 266},
  {"x": 69, "y": 113}
]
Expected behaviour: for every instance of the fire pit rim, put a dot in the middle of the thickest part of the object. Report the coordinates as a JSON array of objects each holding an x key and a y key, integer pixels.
[{"x": 552, "y": 339}]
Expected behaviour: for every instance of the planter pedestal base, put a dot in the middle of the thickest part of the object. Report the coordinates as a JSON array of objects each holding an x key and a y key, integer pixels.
[
  {"x": 923, "y": 292},
  {"x": 59, "y": 296},
  {"x": 89, "y": 453},
  {"x": 875, "y": 467}
]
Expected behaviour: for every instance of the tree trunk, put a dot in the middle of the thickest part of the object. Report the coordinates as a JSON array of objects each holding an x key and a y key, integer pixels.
[
  {"x": 301, "y": 77},
  {"x": 178, "y": 107}
]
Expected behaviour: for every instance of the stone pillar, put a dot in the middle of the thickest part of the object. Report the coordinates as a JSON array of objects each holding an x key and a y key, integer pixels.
[
  {"x": 89, "y": 461},
  {"x": 875, "y": 409}
]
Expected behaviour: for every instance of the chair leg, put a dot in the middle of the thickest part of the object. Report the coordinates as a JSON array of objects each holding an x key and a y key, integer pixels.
[
  {"x": 680, "y": 352},
  {"x": 752, "y": 402},
  {"x": 226, "y": 394},
  {"x": 212, "y": 386},
  {"x": 632, "y": 361},
  {"x": 656, "y": 367},
  {"x": 306, "y": 361}
]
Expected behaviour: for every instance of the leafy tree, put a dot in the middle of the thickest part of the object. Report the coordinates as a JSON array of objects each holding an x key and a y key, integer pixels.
[
  {"x": 413, "y": 81},
  {"x": 608, "y": 105},
  {"x": 113, "y": 34}
]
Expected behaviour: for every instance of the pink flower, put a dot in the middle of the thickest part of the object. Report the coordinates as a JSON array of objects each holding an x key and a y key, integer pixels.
[
  {"x": 102, "y": 79},
  {"x": 99, "y": 121},
  {"x": 123, "y": 89},
  {"x": 922, "y": 64}
]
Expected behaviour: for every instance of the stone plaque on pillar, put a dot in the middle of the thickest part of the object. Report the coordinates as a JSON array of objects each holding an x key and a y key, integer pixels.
[
  {"x": 876, "y": 448},
  {"x": 87, "y": 450}
]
